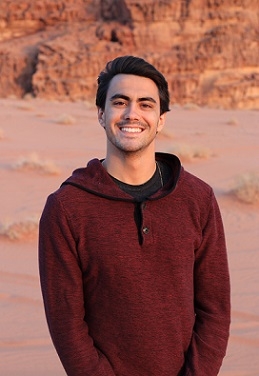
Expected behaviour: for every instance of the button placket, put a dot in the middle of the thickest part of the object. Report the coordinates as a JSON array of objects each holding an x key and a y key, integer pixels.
[{"x": 145, "y": 230}]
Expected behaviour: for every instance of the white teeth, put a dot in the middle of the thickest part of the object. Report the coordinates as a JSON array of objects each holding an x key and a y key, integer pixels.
[{"x": 132, "y": 130}]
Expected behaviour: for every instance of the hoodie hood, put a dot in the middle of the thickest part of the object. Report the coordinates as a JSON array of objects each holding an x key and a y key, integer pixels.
[{"x": 94, "y": 179}]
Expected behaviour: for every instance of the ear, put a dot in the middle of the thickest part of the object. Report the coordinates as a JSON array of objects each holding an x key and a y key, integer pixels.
[
  {"x": 101, "y": 117},
  {"x": 161, "y": 122}
]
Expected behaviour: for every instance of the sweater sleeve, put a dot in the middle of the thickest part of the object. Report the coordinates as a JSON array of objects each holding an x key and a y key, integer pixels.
[
  {"x": 62, "y": 289},
  {"x": 211, "y": 300}
]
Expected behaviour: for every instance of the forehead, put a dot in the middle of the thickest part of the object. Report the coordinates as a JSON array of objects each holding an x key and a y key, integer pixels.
[{"x": 132, "y": 86}]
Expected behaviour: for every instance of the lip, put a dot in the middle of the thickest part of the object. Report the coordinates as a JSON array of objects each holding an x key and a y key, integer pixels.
[
  {"x": 133, "y": 130},
  {"x": 133, "y": 127}
]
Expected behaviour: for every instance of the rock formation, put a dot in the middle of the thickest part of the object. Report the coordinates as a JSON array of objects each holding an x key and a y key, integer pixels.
[{"x": 207, "y": 49}]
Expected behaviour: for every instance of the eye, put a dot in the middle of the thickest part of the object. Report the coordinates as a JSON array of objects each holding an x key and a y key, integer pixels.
[
  {"x": 119, "y": 103},
  {"x": 146, "y": 105}
]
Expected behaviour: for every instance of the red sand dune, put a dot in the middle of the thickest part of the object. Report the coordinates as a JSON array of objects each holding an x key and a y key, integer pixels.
[{"x": 42, "y": 142}]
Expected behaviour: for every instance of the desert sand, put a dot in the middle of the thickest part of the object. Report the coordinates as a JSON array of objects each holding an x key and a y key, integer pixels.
[{"x": 42, "y": 142}]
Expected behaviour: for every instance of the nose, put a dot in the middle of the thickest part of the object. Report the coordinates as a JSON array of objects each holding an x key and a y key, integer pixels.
[{"x": 131, "y": 112}]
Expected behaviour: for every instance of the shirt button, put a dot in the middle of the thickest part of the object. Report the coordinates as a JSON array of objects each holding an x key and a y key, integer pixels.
[{"x": 145, "y": 230}]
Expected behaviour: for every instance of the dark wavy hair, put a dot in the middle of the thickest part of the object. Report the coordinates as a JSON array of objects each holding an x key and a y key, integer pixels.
[{"x": 132, "y": 65}]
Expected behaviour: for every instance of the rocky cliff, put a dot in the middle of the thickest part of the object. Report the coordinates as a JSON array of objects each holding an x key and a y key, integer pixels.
[{"x": 207, "y": 49}]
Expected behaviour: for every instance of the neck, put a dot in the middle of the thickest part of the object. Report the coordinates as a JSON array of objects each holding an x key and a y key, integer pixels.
[{"x": 134, "y": 170}]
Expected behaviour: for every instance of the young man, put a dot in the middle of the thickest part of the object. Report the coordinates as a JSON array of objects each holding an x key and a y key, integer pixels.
[{"x": 132, "y": 253}]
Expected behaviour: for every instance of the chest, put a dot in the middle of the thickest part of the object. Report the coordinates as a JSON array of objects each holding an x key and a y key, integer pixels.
[{"x": 127, "y": 236}]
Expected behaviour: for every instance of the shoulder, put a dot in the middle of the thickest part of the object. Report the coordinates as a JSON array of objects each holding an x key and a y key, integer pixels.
[
  {"x": 194, "y": 184},
  {"x": 196, "y": 194}
]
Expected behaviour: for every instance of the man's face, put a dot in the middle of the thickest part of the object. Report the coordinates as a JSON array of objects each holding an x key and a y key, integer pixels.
[{"x": 131, "y": 116}]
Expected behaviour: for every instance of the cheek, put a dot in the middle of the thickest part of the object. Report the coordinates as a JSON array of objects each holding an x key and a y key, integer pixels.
[{"x": 114, "y": 116}]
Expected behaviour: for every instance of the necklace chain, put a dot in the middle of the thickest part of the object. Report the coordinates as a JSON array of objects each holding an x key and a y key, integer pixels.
[
  {"x": 159, "y": 171},
  {"x": 160, "y": 174}
]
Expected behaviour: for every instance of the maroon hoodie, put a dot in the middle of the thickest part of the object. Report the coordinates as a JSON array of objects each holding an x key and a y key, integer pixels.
[{"x": 121, "y": 304}]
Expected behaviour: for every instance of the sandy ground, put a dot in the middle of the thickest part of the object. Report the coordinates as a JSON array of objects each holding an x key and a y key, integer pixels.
[{"x": 38, "y": 150}]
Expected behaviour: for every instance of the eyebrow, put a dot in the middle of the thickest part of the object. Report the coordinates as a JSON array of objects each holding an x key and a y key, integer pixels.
[{"x": 142, "y": 99}]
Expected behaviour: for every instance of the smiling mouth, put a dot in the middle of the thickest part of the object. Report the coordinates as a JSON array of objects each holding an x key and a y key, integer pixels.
[
  {"x": 131, "y": 126},
  {"x": 131, "y": 129}
]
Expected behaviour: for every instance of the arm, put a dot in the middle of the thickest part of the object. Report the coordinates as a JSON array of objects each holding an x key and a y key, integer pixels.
[
  {"x": 211, "y": 300},
  {"x": 62, "y": 289}
]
